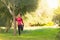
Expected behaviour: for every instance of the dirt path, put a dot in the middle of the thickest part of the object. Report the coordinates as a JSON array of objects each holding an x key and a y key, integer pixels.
[{"x": 38, "y": 27}]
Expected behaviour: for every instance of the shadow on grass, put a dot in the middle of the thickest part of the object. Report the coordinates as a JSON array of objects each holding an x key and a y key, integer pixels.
[
  {"x": 11, "y": 32},
  {"x": 58, "y": 35}
]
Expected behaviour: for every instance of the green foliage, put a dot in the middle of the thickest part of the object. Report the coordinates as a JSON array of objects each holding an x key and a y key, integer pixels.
[
  {"x": 49, "y": 24},
  {"x": 17, "y": 6},
  {"x": 33, "y": 19},
  {"x": 57, "y": 11},
  {"x": 5, "y": 16},
  {"x": 24, "y": 6},
  {"x": 56, "y": 17}
]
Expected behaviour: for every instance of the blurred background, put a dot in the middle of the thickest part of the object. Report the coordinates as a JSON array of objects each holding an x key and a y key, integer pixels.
[{"x": 34, "y": 12}]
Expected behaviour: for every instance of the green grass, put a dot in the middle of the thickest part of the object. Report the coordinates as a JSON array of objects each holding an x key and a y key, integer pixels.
[{"x": 40, "y": 34}]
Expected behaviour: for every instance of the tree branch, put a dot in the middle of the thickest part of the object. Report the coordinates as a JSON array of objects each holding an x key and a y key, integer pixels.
[{"x": 8, "y": 6}]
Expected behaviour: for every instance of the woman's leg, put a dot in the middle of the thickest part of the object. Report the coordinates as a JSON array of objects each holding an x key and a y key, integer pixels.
[
  {"x": 22, "y": 27},
  {"x": 19, "y": 29}
]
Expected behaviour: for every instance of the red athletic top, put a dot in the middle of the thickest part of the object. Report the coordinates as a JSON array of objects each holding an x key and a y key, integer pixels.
[{"x": 19, "y": 21}]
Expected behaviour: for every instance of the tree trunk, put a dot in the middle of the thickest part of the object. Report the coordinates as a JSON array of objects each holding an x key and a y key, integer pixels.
[
  {"x": 14, "y": 22},
  {"x": 8, "y": 25}
]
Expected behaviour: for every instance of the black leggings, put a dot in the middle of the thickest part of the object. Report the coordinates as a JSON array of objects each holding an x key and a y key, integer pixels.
[{"x": 20, "y": 28}]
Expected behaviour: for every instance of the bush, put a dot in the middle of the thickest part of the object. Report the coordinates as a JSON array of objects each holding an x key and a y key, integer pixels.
[
  {"x": 37, "y": 24},
  {"x": 49, "y": 24}
]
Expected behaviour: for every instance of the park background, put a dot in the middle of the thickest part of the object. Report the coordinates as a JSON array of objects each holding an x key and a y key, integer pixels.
[{"x": 35, "y": 13}]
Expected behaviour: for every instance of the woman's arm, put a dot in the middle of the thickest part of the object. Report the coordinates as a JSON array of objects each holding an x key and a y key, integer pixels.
[{"x": 22, "y": 21}]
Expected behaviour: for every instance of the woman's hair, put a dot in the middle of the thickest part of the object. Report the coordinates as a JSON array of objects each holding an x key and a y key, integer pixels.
[{"x": 20, "y": 13}]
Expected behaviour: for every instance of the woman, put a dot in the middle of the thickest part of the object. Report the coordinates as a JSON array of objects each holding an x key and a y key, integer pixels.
[{"x": 20, "y": 23}]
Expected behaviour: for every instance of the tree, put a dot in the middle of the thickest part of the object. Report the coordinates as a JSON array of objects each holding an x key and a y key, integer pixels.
[
  {"x": 15, "y": 6},
  {"x": 56, "y": 17},
  {"x": 9, "y": 6},
  {"x": 5, "y": 20}
]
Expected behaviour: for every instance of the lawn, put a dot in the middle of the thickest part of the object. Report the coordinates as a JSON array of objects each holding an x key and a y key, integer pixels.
[{"x": 40, "y": 34}]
